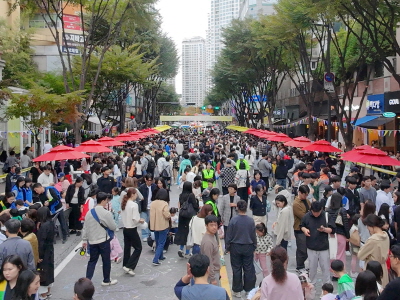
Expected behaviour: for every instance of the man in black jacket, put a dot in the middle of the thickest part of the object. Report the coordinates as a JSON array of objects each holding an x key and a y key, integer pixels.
[
  {"x": 353, "y": 196},
  {"x": 317, "y": 225},
  {"x": 10, "y": 179},
  {"x": 106, "y": 183},
  {"x": 75, "y": 198},
  {"x": 146, "y": 189}
]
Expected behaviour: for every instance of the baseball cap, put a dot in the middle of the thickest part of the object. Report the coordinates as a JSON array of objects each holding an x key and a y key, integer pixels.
[
  {"x": 354, "y": 169},
  {"x": 61, "y": 174}
]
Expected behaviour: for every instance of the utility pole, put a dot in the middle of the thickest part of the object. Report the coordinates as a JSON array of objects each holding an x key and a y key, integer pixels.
[{"x": 328, "y": 67}]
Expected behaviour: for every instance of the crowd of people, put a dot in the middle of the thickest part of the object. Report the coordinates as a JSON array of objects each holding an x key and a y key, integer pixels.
[{"x": 224, "y": 180}]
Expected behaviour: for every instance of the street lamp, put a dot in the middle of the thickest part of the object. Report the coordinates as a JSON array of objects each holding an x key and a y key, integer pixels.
[{"x": 328, "y": 70}]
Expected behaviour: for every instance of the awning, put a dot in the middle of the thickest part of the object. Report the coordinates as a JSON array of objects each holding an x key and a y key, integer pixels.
[
  {"x": 96, "y": 120},
  {"x": 373, "y": 121},
  {"x": 365, "y": 119}
]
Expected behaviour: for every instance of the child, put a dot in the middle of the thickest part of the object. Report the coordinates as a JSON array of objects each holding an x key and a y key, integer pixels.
[
  {"x": 327, "y": 292},
  {"x": 354, "y": 248},
  {"x": 174, "y": 220},
  {"x": 15, "y": 214},
  {"x": 116, "y": 206},
  {"x": 116, "y": 250},
  {"x": 345, "y": 283},
  {"x": 264, "y": 247},
  {"x": 21, "y": 207},
  {"x": 308, "y": 288}
]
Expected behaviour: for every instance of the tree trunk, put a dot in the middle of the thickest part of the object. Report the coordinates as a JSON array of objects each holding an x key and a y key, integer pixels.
[{"x": 348, "y": 138}]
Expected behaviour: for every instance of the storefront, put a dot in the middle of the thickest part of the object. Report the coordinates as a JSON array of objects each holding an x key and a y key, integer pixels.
[{"x": 392, "y": 105}]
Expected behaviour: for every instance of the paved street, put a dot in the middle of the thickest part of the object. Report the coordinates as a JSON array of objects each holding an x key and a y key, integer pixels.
[{"x": 149, "y": 281}]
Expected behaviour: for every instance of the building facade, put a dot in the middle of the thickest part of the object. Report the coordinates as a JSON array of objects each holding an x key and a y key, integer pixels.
[
  {"x": 194, "y": 71},
  {"x": 254, "y": 8},
  {"x": 221, "y": 15}
]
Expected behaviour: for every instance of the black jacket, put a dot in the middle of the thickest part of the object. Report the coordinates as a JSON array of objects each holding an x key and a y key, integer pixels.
[
  {"x": 340, "y": 229},
  {"x": 354, "y": 202},
  {"x": 317, "y": 241},
  {"x": 11, "y": 178},
  {"x": 281, "y": 172},
  {"x": 145, "y": 192},
  {"x": 106, "y": 184},
  {"x": 70, "y": 194}
]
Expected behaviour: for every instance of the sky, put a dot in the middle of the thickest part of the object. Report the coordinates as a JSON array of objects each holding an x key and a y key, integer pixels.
[{"x": 183, "y": 19}]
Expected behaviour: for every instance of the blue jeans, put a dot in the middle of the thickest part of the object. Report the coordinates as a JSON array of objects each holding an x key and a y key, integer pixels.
[
  {"x": 196, "y": 249},
  {"x": 160, "y": 238},
  {"x": 96, "y": 250},
  {"x": 146, "y": 216},
  {"x": 187, "y": 251},
  {"x": 119, "y": 184},
  {"x": 281, "y": 182}
]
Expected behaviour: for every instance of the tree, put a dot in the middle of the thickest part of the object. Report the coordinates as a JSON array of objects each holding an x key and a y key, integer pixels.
[
  {"x": 165, "y": 94},
  {"x": 102, "y": 21},
  {"x": 39, "y": 109}
]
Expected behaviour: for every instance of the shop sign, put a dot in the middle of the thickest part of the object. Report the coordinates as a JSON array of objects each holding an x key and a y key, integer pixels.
[
  {"x": 375, "y": 104},
  {"x": 389, "y": 114},
  {"x": 392, "y": 102}
]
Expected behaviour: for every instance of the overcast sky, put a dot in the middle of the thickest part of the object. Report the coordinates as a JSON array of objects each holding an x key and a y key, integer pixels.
[{"x": 183, "y": 19}]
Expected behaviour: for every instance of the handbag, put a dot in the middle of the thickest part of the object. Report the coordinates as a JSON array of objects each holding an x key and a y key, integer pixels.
[
  {"x": 332, "y": 242},
  {"x": 355, "y": 238},
  {"x": 339, "y": 219},
  {"x": 187, "y": 210},
  {"x": 190, "y": 241}
]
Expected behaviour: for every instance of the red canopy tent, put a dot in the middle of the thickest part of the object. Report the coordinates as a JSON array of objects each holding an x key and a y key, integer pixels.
[
  {"x": 372, "y": 158},
  {"x": 280, "y": 137},
  {"x": 124, "y": 137},
  {"x": 92, "y": 147},
  {"x": 365, "y": 148},
  {"x": 61, "y": 153},
  {"x": 321, "y": 146},
  {"x": 299, "y": 142},
  {"x": 109, "y": 142}
]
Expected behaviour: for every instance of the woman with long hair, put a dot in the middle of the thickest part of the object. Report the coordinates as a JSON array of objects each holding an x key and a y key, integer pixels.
[
  {"x": 183, "y": 223},
  {"x": 160, "y": 223},
  {"x": 369, "y": 208},
  {"x": 198, "y": 228},
  {"x": 284, "y": 224},
  {"x": 27, "y": 287},
  {"x": 365, "y": 287},
  {"x": 241, "y": 178},
  {"x": 339, "y": 214},
  {"x": 281, "y": 284},
  {"x": 377, "y": 245},
  {"x": 10, "y": 270},
  {"x": 161, "y": 184},
  {"x": 18, "y": 188},
  {"x": 260, "y": 206},
  {"x": 131, "y": 217},
  {"x": 45, "y": 235}
]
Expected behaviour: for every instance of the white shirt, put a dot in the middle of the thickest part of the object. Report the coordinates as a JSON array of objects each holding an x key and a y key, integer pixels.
[
  {"x": 130, "y": 215},
  {"x": 190, "y": 176},
  {"x": 382, "y": 197},
  {"x": 149, "y": 197},
  {"x": 116, "y": 171},
  {"x": 45, "y": 180},
  {"x": 47, "y": 148},
  {"x": 329, "y": 297}
]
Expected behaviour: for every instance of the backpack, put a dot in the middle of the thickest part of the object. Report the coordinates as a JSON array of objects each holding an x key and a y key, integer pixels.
[
  {"x": 151, "y": 164},
  {"x": 53, "y": 204}
]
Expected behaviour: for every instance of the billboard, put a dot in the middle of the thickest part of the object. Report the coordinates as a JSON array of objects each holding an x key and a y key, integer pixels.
[{"x": 72, "y": 22}]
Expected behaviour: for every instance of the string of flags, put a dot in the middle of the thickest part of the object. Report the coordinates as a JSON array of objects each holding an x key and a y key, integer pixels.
[
  {"x": 14, "y": 134},
  {"x": 336, "y": 124}
]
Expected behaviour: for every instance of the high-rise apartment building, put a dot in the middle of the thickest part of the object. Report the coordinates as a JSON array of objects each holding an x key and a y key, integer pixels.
[
  {"x": 221, "y": 15},
  {"x": 194, "y": 71},
  {"x": 254, "y": 8}
]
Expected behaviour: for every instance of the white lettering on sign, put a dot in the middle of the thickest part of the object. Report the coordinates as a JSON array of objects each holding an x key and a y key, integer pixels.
[
  {"x": 394, "y": 101},
  {"x": 373, "y": 104}
]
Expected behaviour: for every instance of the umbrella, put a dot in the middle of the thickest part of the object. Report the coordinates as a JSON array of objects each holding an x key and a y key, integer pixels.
[
  {"x": 109, "y": 142},
  {"x": 124, "y": 137},
  {"x": 61, "y": 153},
  {"x": 373, "y": 159},
  {"x": 355, "y": 153},
  {"x": 280, "y": 137},
  {"x": 299, "y": 142},
  {"x": 92, "y": 147},
  {"x": 321, "y": 146},
  {"x": 267, "y": 134}
]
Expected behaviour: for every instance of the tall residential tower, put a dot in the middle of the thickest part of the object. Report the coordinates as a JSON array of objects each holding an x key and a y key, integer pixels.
[
  {"x": 221, "y": 15},
  {"x": 194, "y": 71}
]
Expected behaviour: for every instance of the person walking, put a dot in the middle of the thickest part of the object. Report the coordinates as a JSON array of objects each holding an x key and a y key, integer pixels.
[
  {"x": 241, "y": 242},
  {"x": 228, "y": 176},
  {"x": 284, "y": 223},
  {"x": 146, "y": 189},
  {"x": 316, "y": 225},
  {"x": 131, "y": 219},
  {"x": 301, "y": 206},
  {"x": 197, "y": 228},
  {"x": 98, "y": 230},
  {"x": 227, "y": 206},
  {"x": 75, "y": 198},
  {"x": 281, "y": 173},
  {"x": 339, "y": 215},
  {"x": 241, "y": 180},
  {"x": 186, "y": 198},
  {"x": 281, "y": 284},
  {"x": 264, "y": 166},
  {"x": 210, "y": 247},
  {"x": 159, "y": 223},
  {"x": 260, "y": 206},
  {"x": 377, "y": 245},
  {"x": 45, "y": 235}
]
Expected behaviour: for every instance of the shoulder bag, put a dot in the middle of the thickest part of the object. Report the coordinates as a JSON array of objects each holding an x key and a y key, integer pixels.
[
  {"x": 339, "y": 218},
  {"x": 187, "y": 210},
  {"x": 189, "y": 241},
  {"x": 96, "y": 217},
  {"x": 332, "y": 242}
]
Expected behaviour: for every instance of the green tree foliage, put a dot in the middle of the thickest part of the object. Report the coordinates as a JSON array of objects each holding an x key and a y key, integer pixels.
[{"x": 165, "y": 94}]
